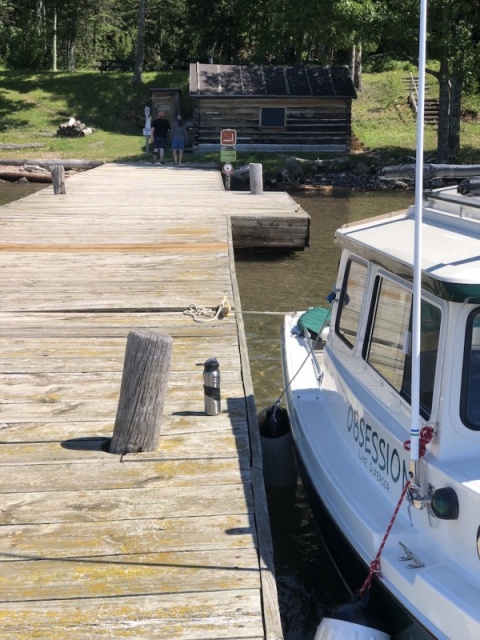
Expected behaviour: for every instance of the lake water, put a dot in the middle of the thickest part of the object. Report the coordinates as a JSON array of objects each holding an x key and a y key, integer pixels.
[
  {"x": 10, "y": 191},
  {"x": 307, "y": 582},
  {"x": 275, "y": 281}
]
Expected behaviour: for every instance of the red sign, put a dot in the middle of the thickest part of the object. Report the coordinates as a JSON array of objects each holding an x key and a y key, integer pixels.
[{"x": 228, "y": 137}]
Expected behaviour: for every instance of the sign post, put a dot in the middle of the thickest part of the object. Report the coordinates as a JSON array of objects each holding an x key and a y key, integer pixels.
[
  {"x": 228, "y": 142},
  {"x": 227, "y": 171},
  {"x": 147, "y": 129},
  {"x": 228, "y": 137}
]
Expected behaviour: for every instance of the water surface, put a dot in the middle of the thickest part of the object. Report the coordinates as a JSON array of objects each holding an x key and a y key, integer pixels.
[{"x": 10, "y": 191}]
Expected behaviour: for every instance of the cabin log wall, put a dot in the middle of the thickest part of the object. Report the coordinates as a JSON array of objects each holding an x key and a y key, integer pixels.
[{"x": 309, "y": 121}]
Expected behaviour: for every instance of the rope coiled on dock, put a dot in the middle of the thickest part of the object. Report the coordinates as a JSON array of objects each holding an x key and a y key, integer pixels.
[
  {"x": 209, "y": 314},
  {"x": 224, "y": 309}
]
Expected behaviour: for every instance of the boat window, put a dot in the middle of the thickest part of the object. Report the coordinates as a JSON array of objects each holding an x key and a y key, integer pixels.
[
  {"x": 470, "y": 396},
  {"x": 389, "y": 345},
  {"x": 351, "y": 299}
]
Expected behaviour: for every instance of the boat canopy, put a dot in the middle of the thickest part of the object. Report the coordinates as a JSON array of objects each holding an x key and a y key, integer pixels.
[{"x": 450, "y": 252}]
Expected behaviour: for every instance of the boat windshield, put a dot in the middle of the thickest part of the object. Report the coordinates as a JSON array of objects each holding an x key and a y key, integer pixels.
[
  {"x": 387, "y": 344},
  {"x": 351, "y": 301},
  {"x": 388, "y": 334},
  {"x": 470, "y": 397}
]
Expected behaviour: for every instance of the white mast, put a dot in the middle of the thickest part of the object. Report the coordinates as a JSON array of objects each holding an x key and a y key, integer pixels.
[{"x": 417, "y": 269}]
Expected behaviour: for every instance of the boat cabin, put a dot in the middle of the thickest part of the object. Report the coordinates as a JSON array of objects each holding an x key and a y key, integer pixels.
[{"x": 373, "y": 318}]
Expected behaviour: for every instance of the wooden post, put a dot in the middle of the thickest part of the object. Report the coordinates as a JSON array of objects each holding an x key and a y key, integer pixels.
[
  {"x": 142, "y": 394},
  {"x": 58, "y": 179},
  {"x": 256, "y": 178},
  {"x": 147, "y": 130}
]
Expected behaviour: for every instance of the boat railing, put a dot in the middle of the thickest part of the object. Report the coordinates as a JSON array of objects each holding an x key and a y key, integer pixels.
[{"x": 413, "y": 94}]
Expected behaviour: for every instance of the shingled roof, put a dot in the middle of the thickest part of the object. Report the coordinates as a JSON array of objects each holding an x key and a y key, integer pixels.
[{"x": 228, "y": 81}]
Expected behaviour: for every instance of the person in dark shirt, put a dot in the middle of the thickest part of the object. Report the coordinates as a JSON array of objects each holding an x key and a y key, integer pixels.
[{"x": 159, "y": 135}]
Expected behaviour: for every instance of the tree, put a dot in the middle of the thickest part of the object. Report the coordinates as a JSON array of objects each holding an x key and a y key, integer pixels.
[
  {"x": 453, "y": 41},
  {"x": 137, "y": 76},
  {"x": 358, "y": 25}
]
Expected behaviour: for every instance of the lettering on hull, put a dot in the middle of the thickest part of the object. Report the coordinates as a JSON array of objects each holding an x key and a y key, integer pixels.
[{"x": 380, "y": 457}]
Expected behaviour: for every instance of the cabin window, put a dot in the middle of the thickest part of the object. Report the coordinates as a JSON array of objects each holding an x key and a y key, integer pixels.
[
  {"x": 351, "y": 298},
  {"x": 470, "y": 396},
  {"x": 272, "y": 117},
  {"x": 389, "y": 346}
]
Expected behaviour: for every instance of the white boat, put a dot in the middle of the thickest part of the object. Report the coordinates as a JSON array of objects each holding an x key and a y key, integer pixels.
[{"x": 349, "y": 399}]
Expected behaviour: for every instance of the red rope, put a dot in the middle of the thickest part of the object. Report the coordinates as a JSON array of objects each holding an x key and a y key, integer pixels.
[
  {"x": 375, "y": 564},
  {"x": 426, "y": 435}
]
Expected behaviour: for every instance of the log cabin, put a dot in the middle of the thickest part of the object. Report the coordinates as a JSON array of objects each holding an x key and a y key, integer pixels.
[{"x": 272, "y": 108}]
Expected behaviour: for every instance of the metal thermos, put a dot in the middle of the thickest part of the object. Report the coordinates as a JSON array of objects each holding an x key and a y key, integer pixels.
[{"x": 211, "y": 386}]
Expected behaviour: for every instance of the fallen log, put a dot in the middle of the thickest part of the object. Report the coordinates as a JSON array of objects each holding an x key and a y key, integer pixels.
[
  {"x": 30, "y": 176},
  {"x": 46, "y": 163},
  {"x": 34, "y": 168},
  {"x": 10, "y": 147}
]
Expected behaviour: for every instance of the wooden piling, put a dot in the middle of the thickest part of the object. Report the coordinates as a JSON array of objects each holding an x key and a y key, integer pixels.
[
  {"x": 58, "y": 179},
  {"x": 142, "y": 396},
  {"x": 256, "y": 178}
]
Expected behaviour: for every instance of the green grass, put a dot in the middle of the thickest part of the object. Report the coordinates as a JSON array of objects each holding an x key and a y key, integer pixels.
[
  {"x": 33, "y": 105},
  {"x": 383, "y": 121}
]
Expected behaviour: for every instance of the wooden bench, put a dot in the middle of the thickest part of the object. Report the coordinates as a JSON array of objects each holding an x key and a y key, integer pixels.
[{"x": 106, "y": 64}]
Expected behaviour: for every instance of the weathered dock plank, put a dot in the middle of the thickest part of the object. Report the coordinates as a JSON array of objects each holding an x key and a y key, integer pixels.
[
  {"x": 169, "y": 543},
  {"x": 118, "y": 574},
  {"x": 235, "y": 614},
  {"x": 70, "y": 476},
  {"x": 124, "y": 504}
]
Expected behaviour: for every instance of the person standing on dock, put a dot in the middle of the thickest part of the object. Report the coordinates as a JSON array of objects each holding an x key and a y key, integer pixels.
[
  {"x": 179, "y": 137},
  {"x": 160, "y": 128}
]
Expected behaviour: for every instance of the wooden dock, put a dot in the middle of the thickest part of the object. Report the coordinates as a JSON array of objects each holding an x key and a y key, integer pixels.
[{"x": 169, "y": 544}]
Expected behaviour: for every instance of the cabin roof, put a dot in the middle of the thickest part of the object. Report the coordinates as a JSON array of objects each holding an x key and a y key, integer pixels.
[
  {"x": 450, "y": 243},
  {"x": 223, "y": 80}
]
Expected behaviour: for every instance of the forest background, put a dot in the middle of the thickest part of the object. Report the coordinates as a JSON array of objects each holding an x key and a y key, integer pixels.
[{"x": 59, "y": 41}]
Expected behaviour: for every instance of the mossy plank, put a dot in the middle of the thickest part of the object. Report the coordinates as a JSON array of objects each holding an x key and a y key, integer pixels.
[
  {"x": 194, "y": 446},
  {"x": 233, "y": 614},
  {"x": 130, "y": 473},
  {"x": 49, "y": 430},
  {"x": 125, "y": 504},
  {"x": 143, "y": 535},
  {"x": 117, "y": 575}
]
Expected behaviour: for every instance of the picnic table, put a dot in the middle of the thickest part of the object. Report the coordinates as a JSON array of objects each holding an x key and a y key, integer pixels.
[{"x": 115, "y": 64}]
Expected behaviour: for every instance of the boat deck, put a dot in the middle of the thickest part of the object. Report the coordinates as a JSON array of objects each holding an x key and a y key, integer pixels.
[{"x": 173, "y": 543}]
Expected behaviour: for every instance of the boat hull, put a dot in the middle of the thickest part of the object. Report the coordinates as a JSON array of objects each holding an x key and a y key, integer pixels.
[
  {"x": 346, "y": 491},
  {"x": 385, "y": 412},
  {"x": 353, "y": 570}
]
